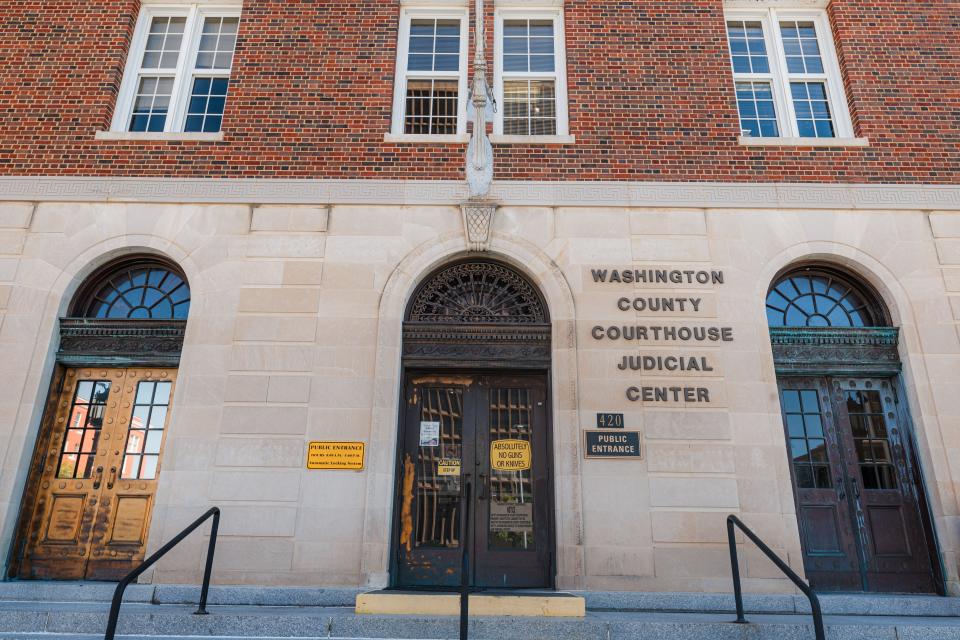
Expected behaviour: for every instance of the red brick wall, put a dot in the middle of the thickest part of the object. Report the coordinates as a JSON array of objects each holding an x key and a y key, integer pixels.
[{"x": 650, "y": 96}]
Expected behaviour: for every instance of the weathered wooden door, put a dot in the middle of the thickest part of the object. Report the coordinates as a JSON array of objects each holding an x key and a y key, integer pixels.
[
  {"x": 96, "y": 476},
  {"x": 451, "y": 424},
  {"x": 860, "y": 520}
]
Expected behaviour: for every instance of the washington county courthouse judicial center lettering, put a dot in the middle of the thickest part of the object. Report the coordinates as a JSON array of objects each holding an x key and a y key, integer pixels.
[{"x": 625, "y": 268}]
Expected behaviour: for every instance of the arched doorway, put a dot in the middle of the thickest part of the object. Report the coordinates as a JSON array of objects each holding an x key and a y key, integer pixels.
[
  {"x": 861, "y": 509},
  {"x": 476, "y": 360},
  {"x": 87, "y": 507}
]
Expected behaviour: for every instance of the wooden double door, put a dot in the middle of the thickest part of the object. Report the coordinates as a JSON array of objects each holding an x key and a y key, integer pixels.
[
  {"x": 858, "y": 493},
  {"x": 490, "y": 431},
  {"x": 91, "y": 493}
]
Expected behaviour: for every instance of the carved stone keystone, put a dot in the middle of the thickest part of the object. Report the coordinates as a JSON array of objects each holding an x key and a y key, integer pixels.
[{"x": 478, "y": 223}]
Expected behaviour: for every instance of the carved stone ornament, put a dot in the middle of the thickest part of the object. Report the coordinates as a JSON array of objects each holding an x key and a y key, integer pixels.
[
  {"x": 478, "y": 223},
  {"x": 830, "y": 351},
  {"x": 92, "y": 341}
]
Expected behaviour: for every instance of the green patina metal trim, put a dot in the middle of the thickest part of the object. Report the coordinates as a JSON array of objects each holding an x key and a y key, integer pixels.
[{"x": 832, "y": 351}]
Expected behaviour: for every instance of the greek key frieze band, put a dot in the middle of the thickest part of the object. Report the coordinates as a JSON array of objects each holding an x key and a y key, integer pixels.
[{"x": 450, "y": 192}]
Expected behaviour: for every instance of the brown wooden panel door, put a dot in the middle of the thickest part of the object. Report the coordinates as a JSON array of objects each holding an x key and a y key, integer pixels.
[
  {"x": 827, "y": 531},
  {"x": 884, "y": 494},
  {"x": 87, "y": 522},
  {"x": 449, "y": 424},
  {"x": 134, "y": 454}
]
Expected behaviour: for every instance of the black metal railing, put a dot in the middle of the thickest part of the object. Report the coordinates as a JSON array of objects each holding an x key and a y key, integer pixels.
[
  {"x": 214, "y": 513},
  {"x": 783, "y": 566},
  {"x": 465, "y": 564}
]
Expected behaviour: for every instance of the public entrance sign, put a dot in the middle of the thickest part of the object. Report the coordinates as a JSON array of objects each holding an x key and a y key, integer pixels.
[
  {"x": 510, "y": 455},
  {"x": 335, "y": 455},
  {"x": 611, "y": 444}
]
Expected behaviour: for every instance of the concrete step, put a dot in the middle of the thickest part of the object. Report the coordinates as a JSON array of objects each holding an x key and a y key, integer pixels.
[
  {"x": 88, "y": 619},
  {"x": 832, "y": 604}
]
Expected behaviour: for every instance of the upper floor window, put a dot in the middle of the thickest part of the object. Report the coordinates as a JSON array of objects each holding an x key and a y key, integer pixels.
[
  {"x": 786, "y": 75},
  {"x": 431, "y": 85},
  {"x": 529, "y": 76},
  {"x": 178, "y": 69}
]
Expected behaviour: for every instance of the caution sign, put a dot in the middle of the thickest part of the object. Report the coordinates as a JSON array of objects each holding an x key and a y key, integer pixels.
[
  {"x": 335, "y": 455},
  {"x": 510, "y": 455},
  {"x": 448, "y": 467}
]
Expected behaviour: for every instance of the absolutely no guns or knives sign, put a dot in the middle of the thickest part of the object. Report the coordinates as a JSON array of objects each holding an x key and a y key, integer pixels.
[
  {"x": 510, "y": 455},
  {"x": 335, "y": 455}
]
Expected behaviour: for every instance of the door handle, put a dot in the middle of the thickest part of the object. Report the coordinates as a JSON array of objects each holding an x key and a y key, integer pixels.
[
  {"x": 99, "y": 478},
  {"x": 482, "y": 489},
  {"x": 841, "y": 491},
  {"x": 112, "y": 478}
]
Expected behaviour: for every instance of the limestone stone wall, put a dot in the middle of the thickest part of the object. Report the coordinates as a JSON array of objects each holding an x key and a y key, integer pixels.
[{"x": 294, "y": 335}]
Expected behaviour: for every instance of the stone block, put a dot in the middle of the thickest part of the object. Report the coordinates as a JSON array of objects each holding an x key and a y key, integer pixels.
[
  {"x": 271, "y": 328},
  {"x": 264, "y": 419},
  {"x": 948, "y": 251},
  {"x": 15, "y": 215},
  {"x": 670, "y": 248},
  {"x": 261, "y": 452},
  {"x": 262, "y": 520},
  {"x": 261, "y": 486},
  {"x": 578, "y": 222},
  {"x": 689, "y": 526},
  {"x": 619, "y": 561},
  {"x": 303, "y": 272},
  {"x": 718, "y": 493},
  {"x": 690, "y": 458},
  {"x": 687, "y": 425},
  {"x": 286, "y": 246},
  {"x": 279, "y": 300},
  {"x": 289, "y": 389},
  {"x": 945, "y": 224},
  {"x": 692, "y": 561},
  {"x": 11, "y": 242},
  {"x": 289, "y": 218},
  {"x": 683, "y": 222},
  {"x": 246, "y": 388}
]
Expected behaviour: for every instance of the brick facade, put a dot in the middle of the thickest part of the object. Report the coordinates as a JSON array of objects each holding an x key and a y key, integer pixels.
[{"x": 651, "y": 97}]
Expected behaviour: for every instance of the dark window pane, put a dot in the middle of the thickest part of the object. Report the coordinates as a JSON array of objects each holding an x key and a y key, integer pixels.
[{"x": 804, "y": 476}]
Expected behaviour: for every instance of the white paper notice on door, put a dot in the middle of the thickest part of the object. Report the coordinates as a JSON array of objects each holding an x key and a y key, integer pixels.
[{"x": 429, "y": 434}]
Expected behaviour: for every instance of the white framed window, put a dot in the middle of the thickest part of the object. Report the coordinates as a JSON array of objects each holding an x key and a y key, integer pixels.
[
  {"x": 430, "y": 93},
  {"x": 530, "y": 73},
  {"x": 786, "y": 75},
  {"x": 178, "y": 69}
]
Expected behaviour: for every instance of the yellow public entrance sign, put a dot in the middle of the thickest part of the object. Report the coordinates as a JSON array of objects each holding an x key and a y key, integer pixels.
[
  {"x": 335, "y": 455},
  {"x": 510, "y": 455}
]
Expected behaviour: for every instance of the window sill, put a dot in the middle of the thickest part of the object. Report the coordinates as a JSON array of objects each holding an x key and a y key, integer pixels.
[
  {"x": 746, "y": 141},
  {"x": 501, "y": 139},
  {"x": 155, "y": 135},
  {"x": 413, "y": 138}
]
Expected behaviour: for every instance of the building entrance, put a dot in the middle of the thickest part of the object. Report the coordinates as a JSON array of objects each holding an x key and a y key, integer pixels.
[
  {"x": 90, "y": 494},
  {"x": 490, "y": 431},
  {"x": 475, "y": 409},
  {"x": 861, "y": 508}
]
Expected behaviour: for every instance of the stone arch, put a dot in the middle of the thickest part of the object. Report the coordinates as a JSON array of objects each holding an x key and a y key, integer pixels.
[
  {"x": 405, "y": 279},
  {"x": 893, "y": 308}
]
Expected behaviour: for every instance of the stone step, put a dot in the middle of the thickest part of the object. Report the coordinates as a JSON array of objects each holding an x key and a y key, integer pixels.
[
  {"x": 88, "y": 619},
  {"x": 832, "y": 604}
]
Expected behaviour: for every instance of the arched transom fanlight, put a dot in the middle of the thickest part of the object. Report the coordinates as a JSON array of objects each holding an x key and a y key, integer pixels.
[
  {"x": 477, "y": 293},
  {"x": 137, "y": 290},
  {"x": 820, "y": 298}
]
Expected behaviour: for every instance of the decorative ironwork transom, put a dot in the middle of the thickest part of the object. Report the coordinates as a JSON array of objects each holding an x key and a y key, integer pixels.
[
  {"x": 820, "y": 298},
  {"x": 136, "y": 291},
  {"x": 477, "y": 293}
]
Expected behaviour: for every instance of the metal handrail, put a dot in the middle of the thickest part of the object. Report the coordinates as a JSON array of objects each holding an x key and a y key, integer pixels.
[
  {"x": 783, "y": 566},
  {"x": 213, "y": 512},
  {"x": 465, "y": 564}
]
